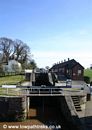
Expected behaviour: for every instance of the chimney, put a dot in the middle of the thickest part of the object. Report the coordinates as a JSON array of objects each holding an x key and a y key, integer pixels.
[{"x": 68, "y": 59}]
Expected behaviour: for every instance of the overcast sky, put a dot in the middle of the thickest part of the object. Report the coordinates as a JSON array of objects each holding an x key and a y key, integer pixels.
[{"x": 54, "y": 29}]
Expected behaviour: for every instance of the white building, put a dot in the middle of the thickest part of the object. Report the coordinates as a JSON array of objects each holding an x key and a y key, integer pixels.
[{"x": 12, "y": 66}]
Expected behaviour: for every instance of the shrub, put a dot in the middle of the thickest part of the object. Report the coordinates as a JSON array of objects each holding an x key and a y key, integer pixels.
[{"x": 87, "y": 79}]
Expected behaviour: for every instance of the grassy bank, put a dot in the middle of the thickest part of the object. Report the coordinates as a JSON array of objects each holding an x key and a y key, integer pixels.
[
  {"x": 88, "y": 72},
  {"x": 11, "y": 79}
]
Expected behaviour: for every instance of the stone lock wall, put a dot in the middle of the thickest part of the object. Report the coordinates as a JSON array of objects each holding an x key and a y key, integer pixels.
[
  {"x": 69, "y": 113},
  {"x": 13, "y": 108}
]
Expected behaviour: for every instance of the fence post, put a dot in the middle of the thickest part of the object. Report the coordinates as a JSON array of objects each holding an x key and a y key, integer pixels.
[
  {"x": 39, "y": 91},
  {"x": 7, "y": 91},
  {"x": 51, "y": 91}
]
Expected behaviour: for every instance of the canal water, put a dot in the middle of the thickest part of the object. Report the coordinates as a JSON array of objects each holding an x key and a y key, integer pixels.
[{"x": 46, "y": 111}]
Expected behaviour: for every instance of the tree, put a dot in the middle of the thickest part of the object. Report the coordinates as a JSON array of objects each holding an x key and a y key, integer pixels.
[
  {"x": 31, "y": 65},
  {"x": 21, "y": 51},
  {"x": 14, "y": 49},
  {"x": 1, "y": 68},
  {"x": 91, "y": 66},
  {"x": 47, "y": 68},
  {"x": 6, "y": 48}
]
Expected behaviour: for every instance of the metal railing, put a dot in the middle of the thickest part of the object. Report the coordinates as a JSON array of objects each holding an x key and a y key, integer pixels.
[
  {"x": 10, "y": 92},
  {"x": 32, "y": 91},
  {"x": 41, "y": 91}
]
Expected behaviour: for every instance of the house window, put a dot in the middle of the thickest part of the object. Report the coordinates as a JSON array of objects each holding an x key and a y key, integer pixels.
[
  {"x": 60, "y": 69},
  {"x": 79, "y": 72},
  {"x": 55, "y": 70},
  {"x": 67, "y": 71},
  {"x": 74, "y": 74}
]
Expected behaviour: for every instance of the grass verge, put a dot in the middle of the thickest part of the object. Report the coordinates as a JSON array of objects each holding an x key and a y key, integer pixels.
[{"x": 9, "y": 80}]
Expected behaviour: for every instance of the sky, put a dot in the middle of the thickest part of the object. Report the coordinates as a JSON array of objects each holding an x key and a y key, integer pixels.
[{"x": 54, "y": 29}]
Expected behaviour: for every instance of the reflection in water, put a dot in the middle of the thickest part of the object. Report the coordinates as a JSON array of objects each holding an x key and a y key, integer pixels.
[{"x": 46, "y": 110}]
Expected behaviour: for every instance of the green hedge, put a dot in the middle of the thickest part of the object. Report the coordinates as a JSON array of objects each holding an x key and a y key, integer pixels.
[{"x": 87, "y": 79}]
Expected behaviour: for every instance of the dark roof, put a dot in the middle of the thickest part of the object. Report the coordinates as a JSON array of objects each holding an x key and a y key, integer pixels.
[{"x": 69, "y": 64}]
